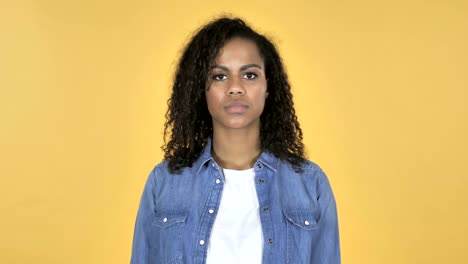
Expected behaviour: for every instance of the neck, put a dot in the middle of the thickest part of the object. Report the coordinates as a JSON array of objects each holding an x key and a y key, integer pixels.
[{"x": 237, "y": 150}]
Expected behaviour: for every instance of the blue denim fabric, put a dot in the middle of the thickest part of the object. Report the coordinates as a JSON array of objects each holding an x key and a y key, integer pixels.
[{"x": 297, "y": 212}]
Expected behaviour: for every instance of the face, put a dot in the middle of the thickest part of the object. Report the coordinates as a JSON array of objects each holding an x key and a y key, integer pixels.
[{"x": 237, "y": 87}]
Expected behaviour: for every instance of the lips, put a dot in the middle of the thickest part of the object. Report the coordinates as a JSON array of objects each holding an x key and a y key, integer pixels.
[{"x": 236, "y": 107}]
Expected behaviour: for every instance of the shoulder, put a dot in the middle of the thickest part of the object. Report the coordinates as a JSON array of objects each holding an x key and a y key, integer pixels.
[
  {"x": 307, "y": 167},
  {"x": 310, "y": 176},
  {"x": 161, "y": 170},
  {"x": 158, "y": 170},
  {"x": 161, "y": 166}
]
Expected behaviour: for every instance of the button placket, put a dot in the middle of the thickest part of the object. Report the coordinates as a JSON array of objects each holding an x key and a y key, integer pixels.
[
  {"x": 207, "y": 218},
  {"x": 263, "y": 192}
]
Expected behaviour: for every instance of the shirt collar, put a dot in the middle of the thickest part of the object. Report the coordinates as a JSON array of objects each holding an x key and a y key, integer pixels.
[{"x": 266, "y": 158}]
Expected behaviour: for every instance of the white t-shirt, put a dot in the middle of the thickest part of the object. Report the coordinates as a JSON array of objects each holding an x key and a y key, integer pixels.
[{"x": 236, "y": 236}]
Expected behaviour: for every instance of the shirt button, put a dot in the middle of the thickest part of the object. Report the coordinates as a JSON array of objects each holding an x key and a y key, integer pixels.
[
  {"x": 261, "y": 180},
  {"x": 217, "y": 181},
  {"x": 306, "y": 222},
  {"x": 265, "y": 208},
  {"x": 259, "y": 165},
  {"x": 165, "y": 219},
  {"x": 211, "y": 211},
  {"x": 202, "y": 242},
  {"x": 270, "y": 240}
]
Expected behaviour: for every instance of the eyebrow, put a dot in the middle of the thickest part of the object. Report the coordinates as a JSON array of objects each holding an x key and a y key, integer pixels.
[{"x": 244, "y": 67}]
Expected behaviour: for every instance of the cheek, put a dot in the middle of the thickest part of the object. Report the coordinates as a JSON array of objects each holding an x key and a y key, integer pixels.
[
  {"x": 212, "y": 100},
  {"x": 263, "y": 104},
  {"x": 262, "y": 96}
]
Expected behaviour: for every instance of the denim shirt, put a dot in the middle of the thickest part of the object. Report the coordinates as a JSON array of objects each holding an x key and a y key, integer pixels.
[{"x": 297, "y": 212}]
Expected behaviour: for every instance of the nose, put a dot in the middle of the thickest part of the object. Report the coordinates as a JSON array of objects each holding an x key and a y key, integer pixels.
[{"x": 235, "y": 87}]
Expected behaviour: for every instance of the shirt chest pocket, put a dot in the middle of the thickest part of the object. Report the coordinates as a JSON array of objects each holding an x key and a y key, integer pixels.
[
  {"x": 301, "y": 227},
  {"x": 168, "y": 228},
  {"x": 164, "y": 219}
]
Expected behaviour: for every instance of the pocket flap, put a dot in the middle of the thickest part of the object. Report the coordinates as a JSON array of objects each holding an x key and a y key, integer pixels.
[
  {"x": 164, "y": 219},
  {"x": 304, "y": 219}
]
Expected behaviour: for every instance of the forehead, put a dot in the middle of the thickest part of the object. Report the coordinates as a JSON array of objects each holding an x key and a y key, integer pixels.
[{"x": 241, "y": 49}]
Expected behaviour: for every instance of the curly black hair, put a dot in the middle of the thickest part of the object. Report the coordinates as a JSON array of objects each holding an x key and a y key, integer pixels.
[{"x": 188, "y": 118}]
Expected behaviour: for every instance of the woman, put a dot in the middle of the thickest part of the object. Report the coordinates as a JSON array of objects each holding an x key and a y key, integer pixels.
[{"x": 234, "y": 186}]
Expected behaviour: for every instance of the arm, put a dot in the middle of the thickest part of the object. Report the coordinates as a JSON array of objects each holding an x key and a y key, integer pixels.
[
  {"x": 327, "y": 248},
  {"x": 141, "y": 243}
]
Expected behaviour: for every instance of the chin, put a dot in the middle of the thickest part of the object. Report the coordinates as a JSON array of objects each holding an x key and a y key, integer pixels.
[
  {"x": 238, "y": 124},
  {"x": 235, "y": 125}
]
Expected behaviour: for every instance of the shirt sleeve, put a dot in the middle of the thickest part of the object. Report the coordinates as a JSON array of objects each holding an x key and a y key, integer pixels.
[
  {"x": 141, "y": 253},
  {"x": 327, "y": 248}
]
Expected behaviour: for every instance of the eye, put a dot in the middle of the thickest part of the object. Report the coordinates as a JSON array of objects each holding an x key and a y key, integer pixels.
[
  {"x": 219, "y": 77},
  {"x": 250, "y": 76}
]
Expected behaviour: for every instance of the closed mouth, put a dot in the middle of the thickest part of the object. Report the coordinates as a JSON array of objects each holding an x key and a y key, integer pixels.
[{"x": 236, "y": 107}]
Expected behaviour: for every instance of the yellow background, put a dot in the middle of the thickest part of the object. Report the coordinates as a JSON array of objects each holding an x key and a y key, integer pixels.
[{"x": 380, "y": 89}]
